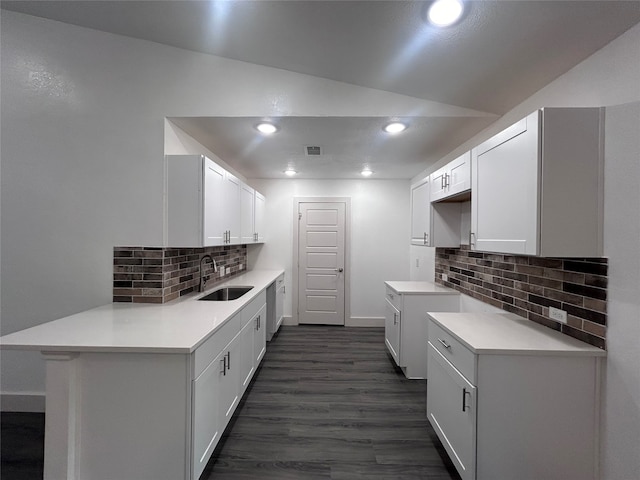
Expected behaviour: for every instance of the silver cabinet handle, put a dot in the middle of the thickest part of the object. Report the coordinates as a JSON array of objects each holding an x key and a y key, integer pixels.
[
  {"x": 228, "y": 355},
  {"x": 425, "y": 238},
  {"x": 471, "y": 242},
  {"x": 395, "y": 318},
  {"x": 444, "y": 344},
  {"x": 223, "y": 369},
  {"x": 446, "y": 180},
  {"x": 442, "y": 182}
]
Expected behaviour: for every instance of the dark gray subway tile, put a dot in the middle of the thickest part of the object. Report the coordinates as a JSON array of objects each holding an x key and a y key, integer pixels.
[
  {"x": 586, "y": 267},
  {"x": 591, "y": 292}
]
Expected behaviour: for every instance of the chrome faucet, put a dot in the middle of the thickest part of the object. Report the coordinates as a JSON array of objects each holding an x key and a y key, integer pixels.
[{"x": 215, "y": 269}]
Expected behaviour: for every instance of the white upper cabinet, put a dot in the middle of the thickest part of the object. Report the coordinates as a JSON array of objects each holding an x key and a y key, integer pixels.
[
  {"x": 452, "y": 179},
  {"x": 435, "y": 225},
  {"x": 247, "y": 214},
  {"x": 252, "y": 206},
  {"x": 206, "y": 205},
  {"x": 213, "y": 214},
  {"x": 231, "y": 201},
  {"x": 259, "y": 219},
  {"x": 420, "y": 213},
  {"x": 537, "y": 186}
]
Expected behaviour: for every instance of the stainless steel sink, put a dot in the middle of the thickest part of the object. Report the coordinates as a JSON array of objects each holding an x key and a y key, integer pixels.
[{"x": 225, "y": 294}]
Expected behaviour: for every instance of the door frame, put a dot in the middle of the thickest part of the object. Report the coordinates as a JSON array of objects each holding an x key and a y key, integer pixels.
[{"x": 295, "y": 266}]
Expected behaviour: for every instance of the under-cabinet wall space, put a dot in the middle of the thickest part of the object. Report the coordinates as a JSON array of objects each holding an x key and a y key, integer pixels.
[{"x": 528, "y": 286}]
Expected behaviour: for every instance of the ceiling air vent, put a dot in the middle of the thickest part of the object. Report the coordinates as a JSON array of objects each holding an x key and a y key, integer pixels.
[{"x": 312, "y": 151}]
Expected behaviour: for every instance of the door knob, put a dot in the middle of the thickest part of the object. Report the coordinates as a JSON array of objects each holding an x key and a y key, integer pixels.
[{"x": 339, "y": 269}]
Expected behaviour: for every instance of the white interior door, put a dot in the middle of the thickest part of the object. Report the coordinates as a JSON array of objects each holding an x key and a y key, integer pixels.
[{"x": 321, "y": 262}]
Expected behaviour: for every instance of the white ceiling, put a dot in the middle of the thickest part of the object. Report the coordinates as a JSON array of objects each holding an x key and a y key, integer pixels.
[{"x": 498, "y": 55}]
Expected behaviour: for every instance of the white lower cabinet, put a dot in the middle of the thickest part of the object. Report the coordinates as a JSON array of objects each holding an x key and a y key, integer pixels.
[
  {"x": 206, "y": 423},
  {"x": 259, "y": 323},
  {"x": 229, "y": 392},
  {"x": 223, "y": 367},
  {"x": 246, "y": 355},
  {"x": 405, "y": 328},
  {"x": 392, "y": 327},
  {"x": 522, "y": 406},
  {"x": 454, "y": 421}
]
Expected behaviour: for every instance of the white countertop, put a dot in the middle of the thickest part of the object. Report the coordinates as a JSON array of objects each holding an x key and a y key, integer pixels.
[
  {"x": 506, "y": 333},
  {"x": 415, "y": 288},
  {"x": 179, "y": 326}
]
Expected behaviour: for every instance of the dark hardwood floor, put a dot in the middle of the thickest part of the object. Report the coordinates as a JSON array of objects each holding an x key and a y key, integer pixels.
[{"x": 327, "y": 403}]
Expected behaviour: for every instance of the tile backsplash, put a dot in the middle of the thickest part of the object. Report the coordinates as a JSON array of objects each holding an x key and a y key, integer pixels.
[
  {"x": 528, "y": 286},
  {"x": 162, "y": 274}
]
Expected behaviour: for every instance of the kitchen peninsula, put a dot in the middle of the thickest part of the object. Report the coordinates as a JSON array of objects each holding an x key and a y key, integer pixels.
[{"x": 142, "y": 390}]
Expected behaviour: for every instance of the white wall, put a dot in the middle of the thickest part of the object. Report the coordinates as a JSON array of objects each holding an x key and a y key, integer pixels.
[
  {"x": 621, "y": 400},
  {"x": 83, "y": 121},
  {"x": 609, "y": 77},
  {"x": 379, "y": 234}
]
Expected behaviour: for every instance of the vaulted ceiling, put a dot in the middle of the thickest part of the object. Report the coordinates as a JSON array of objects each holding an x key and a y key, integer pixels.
[{"x": 497, "y": 55}]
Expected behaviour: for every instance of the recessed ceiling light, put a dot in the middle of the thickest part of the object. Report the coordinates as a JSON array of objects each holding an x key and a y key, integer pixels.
[
  {"x": 395, "y": 127},
  {"x": 290, "y": 172},
  {"x": 366, "y": 172},
  {"x": 267, "y": 128},
  {"x": 443, "y": 13}
]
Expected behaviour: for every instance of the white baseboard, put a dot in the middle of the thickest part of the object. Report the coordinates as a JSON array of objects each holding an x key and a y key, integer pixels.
[
  {"x": 350, "y": 322},
  {"x": 364, "y": 322},
  {"x": 22, "y": 402}
]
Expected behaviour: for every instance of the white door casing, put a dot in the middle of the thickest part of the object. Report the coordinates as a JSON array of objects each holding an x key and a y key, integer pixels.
[{"x": 321, "y": 260}]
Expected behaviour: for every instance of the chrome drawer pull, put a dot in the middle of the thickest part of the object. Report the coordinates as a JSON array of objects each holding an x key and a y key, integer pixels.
[{"x": 444, "y": 344}]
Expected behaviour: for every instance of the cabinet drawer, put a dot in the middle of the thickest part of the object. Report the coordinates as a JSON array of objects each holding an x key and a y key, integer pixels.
[
  {"x": 394, "y": 298},
  {"x": 213, "y": 345},
  {"x": 253, "y": 307},
  {"x": 463, "y": 359}
]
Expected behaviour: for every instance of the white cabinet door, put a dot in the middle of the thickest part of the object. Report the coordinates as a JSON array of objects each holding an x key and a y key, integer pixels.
[
  {"x": 232, "y": 189},
  {"x": 459, "y": 175},
  {"x": 214, "y": 204},
  {"x": 420, "y": 213},
  {"x": 537, "y": 186},
  {"x": 246, "y": 356},
  {"x": 504, "y": 216},
  {"x": 259, "y": 223},
  {"x": 392, "y": 330},
  {"x": 207, "y": 206},
  {"x": 247, "y": 214},
  {"x": 230, "y": 381},
  {"x": 259, "y": 323},
  {"x": 205, "y": 426},
  {"x": 451, "y": 409},
  {"x": 452, "y": 179},
  {"x": 438, "y": 189}
]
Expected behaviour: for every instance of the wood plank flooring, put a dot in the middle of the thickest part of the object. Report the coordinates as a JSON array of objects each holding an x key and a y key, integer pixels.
[{"x": 327, "y": 403}]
